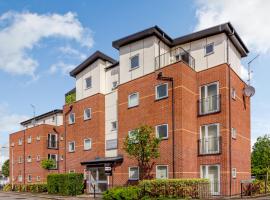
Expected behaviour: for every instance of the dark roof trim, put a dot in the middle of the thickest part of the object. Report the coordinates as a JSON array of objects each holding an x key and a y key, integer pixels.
[
  {"x": 71, "y": 92},
  {"x": 111, "y": 160},
  {"x": 91, "y": 59},
  {"x": 53, "y": 112},
  {"x": 155, "y": 30},
  {"x": 226, "y": 28},
  {"x": 112, "y": 66}
]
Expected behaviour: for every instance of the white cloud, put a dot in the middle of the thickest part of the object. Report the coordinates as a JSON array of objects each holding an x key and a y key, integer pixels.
[
  {"x": 21, "y": 32},
  {"x": 67, "y": 50},
  {"x": 249, "y": 17},
  {"x": 64, "y": 68}
]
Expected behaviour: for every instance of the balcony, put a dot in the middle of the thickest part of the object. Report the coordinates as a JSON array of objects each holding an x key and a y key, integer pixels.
[
  {"x": 209, "y": 145},
  {"x": 174, "y": 56},
  {"x": 52, "y": 144},
  {"x": 209, "y": 105}
]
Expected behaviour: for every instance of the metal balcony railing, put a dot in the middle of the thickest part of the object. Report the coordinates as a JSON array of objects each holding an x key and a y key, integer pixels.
[
  {"x": 209, "y": 105},
  {"x": 52, "y": 144},
  {"x": 174, "y": 56},
  {"x": 209, "y": 145}
]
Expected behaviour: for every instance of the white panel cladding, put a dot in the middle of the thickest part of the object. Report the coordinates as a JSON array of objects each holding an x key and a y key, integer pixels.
[
  {"x": 55, "y": 120},
  {"x": 112, "y": 75},
  {"x": 234, "y": 58},
  {"x": 110, "y": 116}
]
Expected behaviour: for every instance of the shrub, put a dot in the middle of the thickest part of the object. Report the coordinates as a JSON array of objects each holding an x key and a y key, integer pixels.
[
  {"x": 48, "y": 164},
  {"x": 65, "y": 184},
  {"x": 123, "y": 193},
  {"x": 7, "y": 188}
]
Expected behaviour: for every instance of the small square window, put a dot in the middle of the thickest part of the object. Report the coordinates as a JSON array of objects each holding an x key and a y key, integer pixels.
[
  {"x": 38, "y": 138},
  {"x": 87, "y": 113},
  {"x": 61, "y": 137},
  {"x": 134, "y": 62},
  {"x": 234, "y": 133},
  {"x": 29, "y": 139},
  {"x": 233, "y": 93},
  {"x": 20, "y": 141},
  {"x": 38, "y": 178},
  {"x": 20, "y": 178},
  {"x": 133, "y": 100},
  {"x": 162, "y": 91},
  {"x": 114, "y": 125},
  {"x": 29, "y": 159},
  {"x": 62, "y": 157},
  {"x": 162, "y": 131},
  {"x": 111, "y": 144},
  {"x": 162, "y": 172},
  {"x": 209, "y": 49},
  {"x": 71, "y": 147},
  {"x": 88, "y": 82},
  {"x": 38, "y": 158},
  {"x": 71, "y": 118},
  {"x": 114, "y": 85},
  {"x": 133, "y": 173},
  {"x": 234, "y": 173},
  {"x": 87, "y": 144},
  {"x": 29, "y": 179}
]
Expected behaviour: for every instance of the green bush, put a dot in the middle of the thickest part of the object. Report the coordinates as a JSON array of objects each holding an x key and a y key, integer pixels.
[
  {"x": 122, "y": 193},
  {"x": 7, "y": 188},
  {"x": 70, "y": 98},
  {"x": 65, "y": 184},
  {"x": 34, "y": 188}
]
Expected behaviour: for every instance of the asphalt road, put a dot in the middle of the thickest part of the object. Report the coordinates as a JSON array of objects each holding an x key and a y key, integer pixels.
[{"x": 14, "y": 196}]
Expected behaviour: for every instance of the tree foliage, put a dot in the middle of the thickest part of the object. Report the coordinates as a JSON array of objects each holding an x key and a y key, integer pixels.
[
  {"x": 143, "y": 145},
  {"x": 48, "y": 164},
  {"x": 260, "y": 157},
  {"x": 5, "y": 168}
]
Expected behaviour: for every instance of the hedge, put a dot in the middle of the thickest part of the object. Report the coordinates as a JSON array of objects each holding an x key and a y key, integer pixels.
[
  {"x": 65, "y": 184},
  {"x": 34, "y": 188},
  {"x": 161, "y": 189}
]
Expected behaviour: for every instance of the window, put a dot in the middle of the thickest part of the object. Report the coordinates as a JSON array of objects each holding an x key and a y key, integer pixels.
[
  {"x": 52, "y": 141},
  {"x": 71, "y": 171},
  {"x": 29, "y": 139},
  {"x": 20, "y": 141},
  {"x": 54, "y": 158},
  {"x": 12, "y": 144},
  {"x": 29, "y": 159},
  {"x": 20, "y": 159},
  {"x": 234, "y": 133},
  {"x": 88, "y": 82},
  {"x": 133, "y": 173},
  {"x": 162, "y": 91},
  {"x": 20, "y": 178},
  {"x": 71, "y": 146},
  {"x": 87, "y": 144},
  {"x": 38, "y": 178},
  {"x": 212, "y": 172},
  {"x": 233, "y": 93},
  {"x": 29, "y": 179},
  {"x": 162, "y": 131},
  {"x": 62, "y": 157},
  {"x": 71, "y": 118},
  {"x": 114, "y": 85},
  {"x": 61, "y": 137},
  {"x": 133, "y": 100},
  {"x": 111, "y": 144},
  {"x": 209, "y": 139},
  {"x": 114, "y": 125},
  {"x": 38, "y": 158},
  {"x": 38, "y": 138},
  {"x": 53, "y": 119},
  {"x": 234, "y": 172},
  {"x": 162, "y": 171},
  {"x": 134, "y": 62},
  {"x": 209, "y": 98},
  {"x": 209, "y": 49},
  {"x": 87, "y": 113}
]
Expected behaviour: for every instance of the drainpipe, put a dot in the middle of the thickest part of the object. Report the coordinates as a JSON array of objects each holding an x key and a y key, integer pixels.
[
  {"x": 23, "y": 157},
  {"x": 170, "y": 79},
  {"x": 65, "y": 134}
]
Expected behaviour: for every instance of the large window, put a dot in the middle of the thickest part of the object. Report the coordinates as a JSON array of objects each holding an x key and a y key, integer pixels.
[
  {"x": 162, "y": 91},
  {"x": 133, "y": 100},
  {"x": 162, "y": 131},
  {"x": 209, "y": 98},
  {"x": 88, "y": 82},
  {"x": 87, "y": 144},
  {"x": 52, "y": 141},
  {"x": 87, "y": 114},
  {"x": 209, "y": 139},
  {"x": 71, "y": 146},
  {"x": 162, "y": 171},
  {"x": 133, "y": 173},
  {"x": 134, "y": 62},
  {"x": 71, "y": 118},
  {"x": 212, "y": 172}
]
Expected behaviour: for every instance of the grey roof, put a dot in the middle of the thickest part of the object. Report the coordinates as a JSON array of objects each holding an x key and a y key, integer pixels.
[
  {"x": 226, "y": 28},
  {"x": 91, "y": 59},
  {"x": 53, "y": 112}
]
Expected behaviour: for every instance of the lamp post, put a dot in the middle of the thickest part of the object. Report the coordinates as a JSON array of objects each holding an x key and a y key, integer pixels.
[{"x": 12, "y": 162}]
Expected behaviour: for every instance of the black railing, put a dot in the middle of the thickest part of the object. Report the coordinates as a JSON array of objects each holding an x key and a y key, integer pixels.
[
  {"x": 51, "y": 144},
  {"x": 209, "y": 105},
  {"x": 174, "y": 56},
  {"x": 209, "y": 145}
]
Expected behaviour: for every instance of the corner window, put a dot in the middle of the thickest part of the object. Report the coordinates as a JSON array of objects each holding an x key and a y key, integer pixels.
[
  {"x": 87, "y": 144},
  {"x": 162, "y": 131},
  {"x": 114, "y": 125},
  {"x": 88, "y": 82},
  {"x": 111, "y": 144},
  {"x": 162, "y": 91},
  {"x": 209, "y": 49},
  {"x": 20, "y": 141},
  {"x": 133, "y": 173},
  {"x": 71, "y": 146},
  {"x": 234, "y": 133},
  {"x": 71, "y": 118},
  {"x": 133, "y": 100},
  {"x": 134, "y": 62},
  {"x": 162, "y": 172},
  {"x": 234, "y": 172},
  {"x": 87, "y": 113}
]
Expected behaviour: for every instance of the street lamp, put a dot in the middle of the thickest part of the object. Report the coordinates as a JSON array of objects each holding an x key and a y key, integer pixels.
[{"x": 12, "y": 162}]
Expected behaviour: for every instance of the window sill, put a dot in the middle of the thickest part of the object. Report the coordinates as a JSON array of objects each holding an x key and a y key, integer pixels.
[
  {"x": 208, "y": 54},
  {"x": 161, "y": 98},
  {"x": 71, "y": 152},
  {"x": 71, "y": 124},
  {"x": 210, "y": 154},
  {"x": 87, "y": 149},
  {"x": 87, "y": 88},
  {"x": 131, "y": 69},
  {"x": 130, "y": 107},
  {"x": 87, "y": 119}
]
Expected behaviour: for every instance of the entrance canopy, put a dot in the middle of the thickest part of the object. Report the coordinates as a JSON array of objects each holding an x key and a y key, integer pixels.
[{"x": 103, "y": 161}]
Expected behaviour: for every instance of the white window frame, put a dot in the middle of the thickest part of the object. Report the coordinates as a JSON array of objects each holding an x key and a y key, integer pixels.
[
  {"x": 29, "y": 139},
  {"x": 207, "y": 166},
  {"x": 28, "y": 178},
  {"x": 84, "y": 114},
  {"x": 20, "y": 159},
  {"x": 85, "y": 82},
  {"x": 56, "y": 160},
  {"x": 156, "y": 91},
  {"x": 234, "y": 172},
  {"x": 84, "y": 146},
  {"x": 38, "y": 178},
  {"x": 157, "y": 134},
  {"x": 233, "y": 93},
  {"x": 207, "y": 54},
  {"x": 69, "y": 118},
  {"x": 132, "y": 68},
  {"x": 20, "y": 141},
  {"x": 116, "y": 126},
  {"x": 38, "y": 158},
  {"x": 71, "y": 151},
  {"x": 129, "y": 173},
  {"x": 20, "y": 178},
  {"x": 138, "y": 101},
  {"x": 206, "y": 133},
  {"x": 38, "y": 138},
  {"x": 62, "y": 157},
  {"x": 162, "y": 166},
  {"x": 234, "y": 133},
  {"x": 29, "y": 159}
]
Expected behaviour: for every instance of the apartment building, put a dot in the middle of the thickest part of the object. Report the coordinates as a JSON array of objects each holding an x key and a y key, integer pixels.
[{"x": 188, "y": 88}]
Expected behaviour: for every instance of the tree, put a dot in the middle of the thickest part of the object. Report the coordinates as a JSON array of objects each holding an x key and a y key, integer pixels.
[
  {"x": 48, "y": 164},
  {"x": 143, "y": 145},
  {"x": 5, "y": 168},
  {"x": 260, "y": 157}
]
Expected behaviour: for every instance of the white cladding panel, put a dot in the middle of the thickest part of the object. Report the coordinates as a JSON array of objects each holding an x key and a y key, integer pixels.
[
  {"x": 234, "y": 58},
  {"x": 55, "y": 120},
  {"x": 112, "y": 75}
]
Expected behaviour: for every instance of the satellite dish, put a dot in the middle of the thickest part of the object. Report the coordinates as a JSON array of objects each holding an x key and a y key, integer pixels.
[{"x": 249, "y": 91}]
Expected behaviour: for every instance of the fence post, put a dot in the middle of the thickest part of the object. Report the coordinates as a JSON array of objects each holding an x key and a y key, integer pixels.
[{"x": 241, "y": 190}]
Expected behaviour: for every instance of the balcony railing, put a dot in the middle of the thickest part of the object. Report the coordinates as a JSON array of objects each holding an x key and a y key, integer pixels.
[
  {"x": 209, "y": 105},
  {"x": 51, "y": 144},
  {"x": 174, "y": 56},
  {"x": 209, "y": 145}
]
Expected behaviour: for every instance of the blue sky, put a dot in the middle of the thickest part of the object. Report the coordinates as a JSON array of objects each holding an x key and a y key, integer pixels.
[{"x": 40, "y": 41}]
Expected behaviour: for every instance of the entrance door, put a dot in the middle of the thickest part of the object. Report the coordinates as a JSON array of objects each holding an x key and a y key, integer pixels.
[
  {"x": 212, "y": 172},
  {"x": 97, "y": 180}
]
